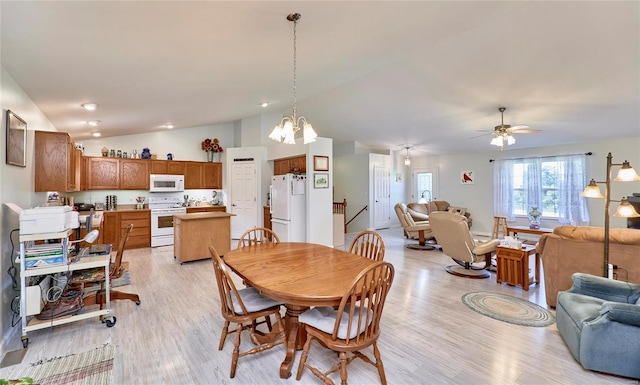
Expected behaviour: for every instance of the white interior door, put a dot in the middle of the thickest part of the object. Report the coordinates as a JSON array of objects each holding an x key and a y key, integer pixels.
[
  {"x": 244, "y": 198},
  {"x": 382, "y": 197},
  {"x": 425, "y": 182}
]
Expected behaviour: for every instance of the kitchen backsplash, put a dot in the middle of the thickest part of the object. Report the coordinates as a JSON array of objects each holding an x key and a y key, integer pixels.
[{"x": 128, "y": 197}]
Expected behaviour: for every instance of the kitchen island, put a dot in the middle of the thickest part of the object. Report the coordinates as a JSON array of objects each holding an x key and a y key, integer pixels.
[{"x": 195, "y": 232}]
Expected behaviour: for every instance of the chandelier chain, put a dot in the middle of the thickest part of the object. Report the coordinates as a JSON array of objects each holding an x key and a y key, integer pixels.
[{"x": 295, "y": 24}]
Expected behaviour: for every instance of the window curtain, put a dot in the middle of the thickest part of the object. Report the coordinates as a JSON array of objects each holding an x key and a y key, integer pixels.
[
  {"x": 503, "y": 189},
  {"x": 572, "y": 208}
]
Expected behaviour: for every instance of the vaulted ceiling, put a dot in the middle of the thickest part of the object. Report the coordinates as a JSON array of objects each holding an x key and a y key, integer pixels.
[{"x": 385, "y": 74}]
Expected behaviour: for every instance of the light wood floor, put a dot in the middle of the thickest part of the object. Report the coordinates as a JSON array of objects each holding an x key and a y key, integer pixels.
[{"x": 428, "y": 335}]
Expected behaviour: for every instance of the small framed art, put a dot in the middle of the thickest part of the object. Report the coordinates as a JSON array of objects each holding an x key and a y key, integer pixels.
[
  {"x": 320, "y": 163},
  {"x": 467, "y": 177},
  {"x": 320, "y": 180},
  {"x": 16, "y": 140}
]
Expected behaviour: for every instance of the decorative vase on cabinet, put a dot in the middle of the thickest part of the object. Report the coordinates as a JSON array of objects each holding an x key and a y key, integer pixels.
[{"x": 216, "y": 157}]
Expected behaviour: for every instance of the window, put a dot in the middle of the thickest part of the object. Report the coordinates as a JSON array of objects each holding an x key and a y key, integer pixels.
[{"x": 552, "y": 184}]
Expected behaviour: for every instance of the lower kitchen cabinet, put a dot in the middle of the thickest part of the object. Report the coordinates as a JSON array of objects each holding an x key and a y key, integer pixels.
[{"x": 115, "y": 221}]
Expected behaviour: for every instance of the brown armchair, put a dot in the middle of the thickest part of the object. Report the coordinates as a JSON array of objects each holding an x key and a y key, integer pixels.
[
  {"x": 414, "y": 230},
  {"x": 452, "y": 233},
  {"x": 421, "y": 211}
]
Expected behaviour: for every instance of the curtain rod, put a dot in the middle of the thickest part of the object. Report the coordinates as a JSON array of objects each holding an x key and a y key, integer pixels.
[{"x": 541, "y": 157}]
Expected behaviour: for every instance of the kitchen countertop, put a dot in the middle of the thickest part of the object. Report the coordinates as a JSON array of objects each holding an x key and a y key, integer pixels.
[{"x": 190, "y": 216}]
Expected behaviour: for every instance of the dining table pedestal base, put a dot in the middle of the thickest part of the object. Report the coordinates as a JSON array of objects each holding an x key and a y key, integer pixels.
[{"x": 296, "y": 337}]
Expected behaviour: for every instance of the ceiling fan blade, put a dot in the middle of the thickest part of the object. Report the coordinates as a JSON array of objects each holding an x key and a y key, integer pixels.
[
  {"x": 478, "y": 136},
  {"x": 526, "y": 131},
  {"x": 520, "y": 127}
]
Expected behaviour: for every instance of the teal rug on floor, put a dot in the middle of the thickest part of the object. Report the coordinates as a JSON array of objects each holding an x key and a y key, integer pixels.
[{"x": 509, "y": 309}]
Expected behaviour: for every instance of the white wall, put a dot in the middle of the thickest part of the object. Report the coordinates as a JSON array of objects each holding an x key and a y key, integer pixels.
[
  {"x": 17, "y": 187},
  {"x": 184, "y": 144},
  {"x": 351, "y": 181},
  {"x": 320, "y": 200}
]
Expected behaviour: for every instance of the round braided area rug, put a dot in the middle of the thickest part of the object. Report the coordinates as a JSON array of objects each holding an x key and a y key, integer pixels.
[{"x": 508, "y": 309}]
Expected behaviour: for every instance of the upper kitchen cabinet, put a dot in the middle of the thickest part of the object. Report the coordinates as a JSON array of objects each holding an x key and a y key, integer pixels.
[
  {"x": 297, "y": 164},
  {"x": 57, "y": 162},
  {"x": 202, "y": 175},
  {"x": 193, "y": 175},
  {"x": 212, "y": 175},
  {"x": 134, "y": 174},
  {"x": 171, "y": 167},
  {"x": 103, "y": 173}
]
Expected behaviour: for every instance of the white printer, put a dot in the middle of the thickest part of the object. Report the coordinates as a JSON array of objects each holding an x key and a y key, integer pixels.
[{"x": 52, "y": 219}]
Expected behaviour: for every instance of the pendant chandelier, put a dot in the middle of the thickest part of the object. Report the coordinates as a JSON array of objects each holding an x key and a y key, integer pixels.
[
  {"x": 285, "y": 131},
  {"x": 407, "y": 160}
]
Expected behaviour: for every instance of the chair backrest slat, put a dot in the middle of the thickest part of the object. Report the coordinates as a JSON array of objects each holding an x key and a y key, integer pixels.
[
  {"x": 363, "y": 303},
  {"x": 123, "y": 241},
  {"x": 368, "y": 244},
  {"x": 226, "y": 288},
  {"x": 257, "y": 236}
]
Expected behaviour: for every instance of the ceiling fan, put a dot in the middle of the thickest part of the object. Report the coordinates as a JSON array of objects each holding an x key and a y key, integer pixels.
[{"x": 504, "y": 132}]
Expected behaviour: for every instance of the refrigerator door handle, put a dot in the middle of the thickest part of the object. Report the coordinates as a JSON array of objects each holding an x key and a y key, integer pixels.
[{"x": 270, "y": 199}]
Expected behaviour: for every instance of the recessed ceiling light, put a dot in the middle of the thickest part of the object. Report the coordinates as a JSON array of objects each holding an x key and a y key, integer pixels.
[
  {"x": 93, "y": 122},
  {"x": 90, "y": 106},
  {"x": 264, "y": 104},
  {"x": 169, "y": 125},
  {"x": 96, "y": 134}
]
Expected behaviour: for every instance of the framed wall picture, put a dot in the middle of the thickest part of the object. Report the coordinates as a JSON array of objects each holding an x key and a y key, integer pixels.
[
  {"x": 16, "y": 140},
  {"x": 320, "y": 163},
  {"x": 467, "y": 177},
  {"x": 320, "y": 180}
]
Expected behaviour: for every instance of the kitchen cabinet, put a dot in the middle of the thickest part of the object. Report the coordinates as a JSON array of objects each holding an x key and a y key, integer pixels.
[
  {"x": 194, "y": 233},
  {"x": 103, "y": 173},
  {"x": 57, "y": 162},
  {"x": 206, "y": 209},
  {"x": 134, "y": 174},
  {"x": 110, "y": 227},
  {"x": 266, "y": 220},
  {"x": 114, "y": 221},
  {"x": 193, "y": 175},
  {"x": 212, "y": 175},
  {"x": 203, "y": 175},
  {"x": 296, "y": 164},
  {"x": 140, "y": 236},
  {"x": 171, "y": 167}
]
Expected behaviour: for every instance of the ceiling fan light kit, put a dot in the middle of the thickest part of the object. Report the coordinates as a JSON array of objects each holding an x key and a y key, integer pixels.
[{"x": 504, "y": 132}]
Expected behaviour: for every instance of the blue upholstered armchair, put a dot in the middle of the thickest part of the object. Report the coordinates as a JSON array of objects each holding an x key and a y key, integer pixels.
[{"x": 599, "y": 319}]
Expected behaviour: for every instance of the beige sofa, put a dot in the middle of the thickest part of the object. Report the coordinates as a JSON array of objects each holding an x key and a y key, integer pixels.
[
  {"x": 421, "y": 211},
  {"x": 572, "y": 249}
]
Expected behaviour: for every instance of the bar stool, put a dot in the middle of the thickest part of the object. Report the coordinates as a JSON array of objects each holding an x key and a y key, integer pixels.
[{"x": 499, "y": 225}]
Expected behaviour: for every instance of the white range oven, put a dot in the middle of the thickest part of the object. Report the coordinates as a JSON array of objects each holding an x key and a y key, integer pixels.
[{"x": 163, "y": 207}]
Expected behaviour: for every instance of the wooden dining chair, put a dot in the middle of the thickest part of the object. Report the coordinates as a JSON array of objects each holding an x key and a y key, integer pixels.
[
  {"x": 368, "y": 244},
  {"x": 355, "y": 325},
  {"x": 244, "y": 307},
  {"x": 89, "y": 279},
  {"x": 258, "y": 236}
]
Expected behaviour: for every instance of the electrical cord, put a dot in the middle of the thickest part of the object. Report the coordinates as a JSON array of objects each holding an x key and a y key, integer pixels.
[{"x": 12, "y": 270}]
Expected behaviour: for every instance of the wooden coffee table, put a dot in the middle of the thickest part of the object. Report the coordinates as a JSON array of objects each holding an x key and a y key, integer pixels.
[{"x": 513, "y": 266}]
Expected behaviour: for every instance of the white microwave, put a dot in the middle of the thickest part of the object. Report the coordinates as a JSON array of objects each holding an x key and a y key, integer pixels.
[{"x": 166, "y": 183}]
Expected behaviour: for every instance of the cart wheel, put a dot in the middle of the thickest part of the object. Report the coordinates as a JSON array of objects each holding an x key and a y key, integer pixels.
[
  {"x": 25, "y": 342},
  {"x": 138, "y": 303},
  {"x": 110, "y": 322}
]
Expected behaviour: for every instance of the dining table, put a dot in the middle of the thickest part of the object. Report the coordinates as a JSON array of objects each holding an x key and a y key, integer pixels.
[{"x": 300, "y": 275}]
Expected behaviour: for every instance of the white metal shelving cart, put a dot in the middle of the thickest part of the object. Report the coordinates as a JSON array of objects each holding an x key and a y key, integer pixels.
[{"x": 30, "y": 322}]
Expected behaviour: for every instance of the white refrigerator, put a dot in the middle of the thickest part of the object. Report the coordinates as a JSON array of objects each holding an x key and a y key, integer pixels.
[{"x": 288, "y": 207}]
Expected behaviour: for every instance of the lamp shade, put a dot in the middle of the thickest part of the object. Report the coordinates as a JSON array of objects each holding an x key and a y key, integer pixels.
[
  {"x": 626, "y": 173},
  {"x": 591, "y": 191},
  {"x": 626, "y": 210}
]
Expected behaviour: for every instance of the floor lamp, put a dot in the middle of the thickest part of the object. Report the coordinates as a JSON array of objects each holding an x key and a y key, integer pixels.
[{"x": 625, "y": 209}]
